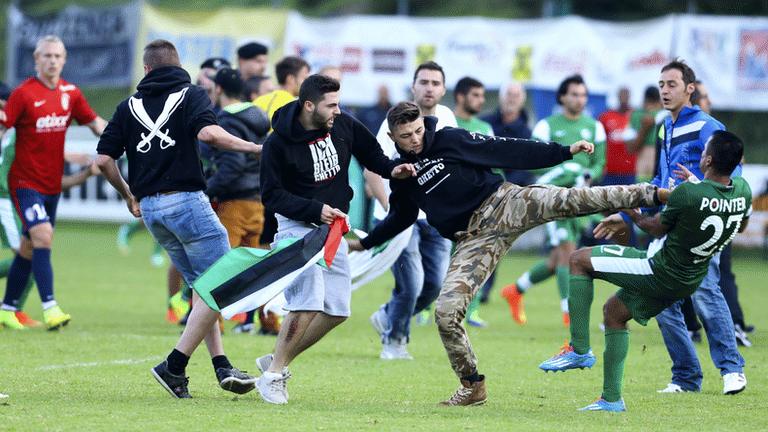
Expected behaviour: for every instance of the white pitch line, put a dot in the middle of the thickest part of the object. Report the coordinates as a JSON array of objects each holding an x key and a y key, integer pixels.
[{"x": 97, "y": 364}]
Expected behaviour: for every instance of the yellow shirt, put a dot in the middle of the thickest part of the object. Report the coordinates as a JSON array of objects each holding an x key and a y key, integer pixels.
[{"x": 272, "y": 101}]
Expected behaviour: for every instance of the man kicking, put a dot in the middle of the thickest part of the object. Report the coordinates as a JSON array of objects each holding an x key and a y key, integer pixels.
[
  {"x": 700, "y": 219},
  {"x": 471, "y": 205}
]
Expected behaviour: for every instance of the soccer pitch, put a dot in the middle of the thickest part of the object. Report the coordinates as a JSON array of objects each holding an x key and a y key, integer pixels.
[{"x": 94, "y": 375}]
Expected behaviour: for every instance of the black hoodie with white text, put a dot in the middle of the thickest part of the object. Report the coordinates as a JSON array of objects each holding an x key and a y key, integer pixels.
[
  {"x": 303, "y": 169},
  {"x": 454, "y": 178}
]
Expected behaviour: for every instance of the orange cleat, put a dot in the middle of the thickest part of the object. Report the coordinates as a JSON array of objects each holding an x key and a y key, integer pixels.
[
  {"x": 26, "y": 320},
  {"x": 239, "y": 318},
  {"x": 516, "y": 307},
  {"x": 566, "y": 319}
]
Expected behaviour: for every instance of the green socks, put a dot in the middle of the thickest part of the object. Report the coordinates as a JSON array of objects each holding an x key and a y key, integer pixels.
[
  {"x": 616, "y": 348},
  {"x": 579, "y": 304},
  {"x": 563, "y": 276},
  {"x": 5, "y": 268},
  {"x": 538, "y": 273}
]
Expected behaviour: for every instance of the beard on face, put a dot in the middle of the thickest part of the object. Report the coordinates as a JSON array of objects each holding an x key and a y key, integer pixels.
[
  {"x": 470, "y": 109},
  {"x": 319, "y": 121}
]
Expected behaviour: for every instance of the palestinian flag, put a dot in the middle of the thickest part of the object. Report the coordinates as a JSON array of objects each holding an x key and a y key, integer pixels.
[
  {"x": 369, "y": 264},
  {"x": 247, "y": 278},
  {"x": 365, "y": 266}
]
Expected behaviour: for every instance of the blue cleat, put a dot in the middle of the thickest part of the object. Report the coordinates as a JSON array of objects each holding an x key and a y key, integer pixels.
[
  {"x": 603, "y": 405},
  {"x": 566, "y": 359}
]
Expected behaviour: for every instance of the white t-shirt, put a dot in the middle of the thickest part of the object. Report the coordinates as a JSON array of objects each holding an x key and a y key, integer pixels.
[{"x": 445, "y": 118}]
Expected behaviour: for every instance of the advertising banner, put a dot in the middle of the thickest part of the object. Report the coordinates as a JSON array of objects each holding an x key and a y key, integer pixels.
[{"x": 99, "y": 40}]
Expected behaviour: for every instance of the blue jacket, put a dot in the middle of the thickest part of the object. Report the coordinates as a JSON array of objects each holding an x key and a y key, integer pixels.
[{"x": 682, "y": 141}]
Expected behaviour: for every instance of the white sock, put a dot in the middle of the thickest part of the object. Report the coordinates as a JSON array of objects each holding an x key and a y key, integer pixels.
[
  {"x": 7, "y": 307},
  {"x": 564, "y": 305},
  {"x": 524, "y": 282},
  {"x": 49, "y": 304}
]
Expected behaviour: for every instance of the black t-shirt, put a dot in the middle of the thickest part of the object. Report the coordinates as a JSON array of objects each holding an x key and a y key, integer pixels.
[{"x": 157, "y": 129}]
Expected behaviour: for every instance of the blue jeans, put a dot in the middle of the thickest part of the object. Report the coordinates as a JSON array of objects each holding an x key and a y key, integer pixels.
[
  {"x": 711, "y": 307},
  {"x": 184, "y": 224},
  {"x": 419, "y": 273}
]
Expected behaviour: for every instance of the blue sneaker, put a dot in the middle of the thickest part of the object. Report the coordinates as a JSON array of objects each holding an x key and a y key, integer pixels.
[
  {"x": 566, "y": 359},
  {"x": 603, "y": 405}
]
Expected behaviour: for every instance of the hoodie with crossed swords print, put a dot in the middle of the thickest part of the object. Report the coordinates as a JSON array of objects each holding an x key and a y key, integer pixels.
[{"x": 157, "y": 129}]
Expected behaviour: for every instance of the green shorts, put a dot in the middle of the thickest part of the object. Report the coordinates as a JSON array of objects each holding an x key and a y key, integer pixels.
[
  {"x": 643, "y": 292},
  {"x": 10, "y": 225}
]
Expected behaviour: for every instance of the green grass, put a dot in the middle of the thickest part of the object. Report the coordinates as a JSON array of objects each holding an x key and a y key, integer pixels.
[{"x": 94, "y": 375}]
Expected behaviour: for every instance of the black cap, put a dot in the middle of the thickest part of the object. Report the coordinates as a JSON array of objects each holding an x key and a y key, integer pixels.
[
  {"x": 215, "y": 63},
  {"x": 229, "y": 80},
  {"x": 251, "y": 50},
  {"x": 5, "y": 91}
]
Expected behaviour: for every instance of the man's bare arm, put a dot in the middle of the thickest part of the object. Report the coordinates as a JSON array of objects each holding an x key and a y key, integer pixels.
[
  {"x": 97, "y": 126},
  {"x": 376, "y": 184},
  {"x": 216, "y": 136}
]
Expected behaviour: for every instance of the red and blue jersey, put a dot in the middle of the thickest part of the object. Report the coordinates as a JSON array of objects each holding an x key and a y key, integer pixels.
[{"x": 41, "y": 116}]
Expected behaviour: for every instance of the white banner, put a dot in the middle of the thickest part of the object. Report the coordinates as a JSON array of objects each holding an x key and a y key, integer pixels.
[
  {"x": 730, "y": 54},
  {"x": 374, "y": 50}
]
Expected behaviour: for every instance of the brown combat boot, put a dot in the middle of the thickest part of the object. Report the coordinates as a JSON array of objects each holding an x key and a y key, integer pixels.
[{"x": 468, "y": 394}]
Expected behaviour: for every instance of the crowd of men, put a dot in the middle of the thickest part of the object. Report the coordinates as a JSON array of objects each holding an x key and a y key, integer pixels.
[{"x": 277, "y": 161}]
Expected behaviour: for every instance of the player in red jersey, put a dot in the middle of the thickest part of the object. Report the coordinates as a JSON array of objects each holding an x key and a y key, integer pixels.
[{"x": 41, "y": 109}]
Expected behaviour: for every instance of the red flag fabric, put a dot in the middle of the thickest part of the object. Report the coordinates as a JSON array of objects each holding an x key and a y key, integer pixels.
[{"x": 339, "y": 227}]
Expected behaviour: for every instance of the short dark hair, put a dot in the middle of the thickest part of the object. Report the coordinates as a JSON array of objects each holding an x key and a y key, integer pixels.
[
  {"x": 652, "y": 94},
  {"x": 159, "y": 53},
  {"x": 404, "y": 112},
  {"x": 230, "y": 82},
  {"x": 430, "y": 65},
  {"x": 252, "y": 50},
  {"x": 315, "y": 87},
  {"x": 464, "y": 85},
  {"x": 689, "y": 76},
  {"x": 289, "y": 66},
  {"x": 726, "y": 150},
  {"x": 562, "y": 90}
]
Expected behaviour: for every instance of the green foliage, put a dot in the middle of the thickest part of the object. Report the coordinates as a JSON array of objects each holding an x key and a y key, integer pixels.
[{"x": 94, "y": 375}]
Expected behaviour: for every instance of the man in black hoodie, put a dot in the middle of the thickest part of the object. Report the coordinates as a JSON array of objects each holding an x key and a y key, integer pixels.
[
  {"x": 472, "y": 206},
  {"x": 158, "y": 128},
  {"x": 304, "y": 179}
]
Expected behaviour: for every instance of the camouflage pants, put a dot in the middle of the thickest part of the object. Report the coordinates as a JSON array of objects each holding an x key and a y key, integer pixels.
[{"x": 493, "y": 228}]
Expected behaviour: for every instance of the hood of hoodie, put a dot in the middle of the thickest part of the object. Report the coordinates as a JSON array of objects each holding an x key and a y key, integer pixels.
[
  {"x": 246, "y": 113},
  {"x": 292, "y": 131},
  {"x": 161, "y": 80},
  {"x": 430, "y": 127}
]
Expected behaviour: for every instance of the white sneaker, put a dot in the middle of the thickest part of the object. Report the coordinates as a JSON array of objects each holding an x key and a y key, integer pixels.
[
  {"x": 272, "y": 387},
  {"x": 263, "y": 362},
  {"x": 734, "y": 383},
  {"x": 395, "y": 351},
  {"x": 672, "y": 388},
  {"x": 3, "y": 397},
  {"x": 380, "y": 321}
]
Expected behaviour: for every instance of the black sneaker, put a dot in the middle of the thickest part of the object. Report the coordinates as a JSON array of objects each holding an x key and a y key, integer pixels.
[
  {"x": 175, "y": 384},
  {"x": 232, "y": 379}
]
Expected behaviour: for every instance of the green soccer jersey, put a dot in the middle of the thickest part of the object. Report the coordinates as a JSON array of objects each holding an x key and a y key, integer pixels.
[
  {"x": 704, "y": 217},
  {"x": 566, "y": 132},
  {"x": 474, "y": 124},
  {"x": 636, "y": 122},
  {"x": 567, "y": 174},
  {"x": 7, "y": 154}
]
